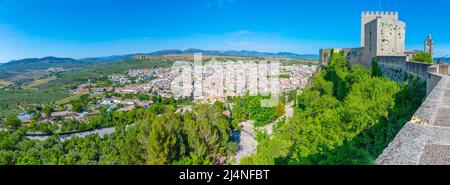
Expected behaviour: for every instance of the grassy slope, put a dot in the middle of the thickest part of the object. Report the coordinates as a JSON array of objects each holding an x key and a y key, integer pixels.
[{"x": 14, "y": 101}]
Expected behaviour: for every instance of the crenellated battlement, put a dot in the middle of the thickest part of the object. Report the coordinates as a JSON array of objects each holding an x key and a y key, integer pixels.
[
  {"x": 368, "y": 16},
  {"x": 379, "y": 13}
]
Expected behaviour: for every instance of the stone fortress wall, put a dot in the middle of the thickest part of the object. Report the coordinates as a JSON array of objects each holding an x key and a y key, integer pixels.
[
  {"x": 382, "y": 34},
  {"x": 353, "y": 55},
  {"x": 426, "y": 138},
  {"x": 398, "y": 69}
]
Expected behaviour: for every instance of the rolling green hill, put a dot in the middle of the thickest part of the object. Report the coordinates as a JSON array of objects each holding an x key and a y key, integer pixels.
[{"x": 40, "y": 64}]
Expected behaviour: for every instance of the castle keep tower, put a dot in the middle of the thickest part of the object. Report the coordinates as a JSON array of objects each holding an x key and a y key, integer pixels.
[
  {"x": 367, "y": 17},
  {"x": 384, "y": 35},
  {"x": 429, "y": 45}
]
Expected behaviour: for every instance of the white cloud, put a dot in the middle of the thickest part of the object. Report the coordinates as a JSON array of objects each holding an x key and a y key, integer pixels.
[
  {"x": 243, "y": 32},
  {"x": 239, "y": 44}
]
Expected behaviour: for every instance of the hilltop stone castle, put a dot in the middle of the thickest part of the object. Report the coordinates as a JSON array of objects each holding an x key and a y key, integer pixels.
[
  {"x": 424, "y": 139},
  {"x": 382, "y": 34}
]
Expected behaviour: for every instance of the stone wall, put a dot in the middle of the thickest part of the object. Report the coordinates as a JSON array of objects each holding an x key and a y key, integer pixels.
[
  {"x": 398, "y": 69},
  {"x": 394, "y": 68},
  {"x": 418, "y": 69},
  {"x": 325, "y": 55},
  {"x": 432, "y": 80},
  {"x": 439, "y": 68},
  {"x": 356, "y": 56},
  {"x": 353, "y": 55},
  {"x": 425, "y": 139},
  {"x": 393, "y": 60}
]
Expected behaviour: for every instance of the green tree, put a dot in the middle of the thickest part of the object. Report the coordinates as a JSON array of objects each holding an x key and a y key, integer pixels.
[
  {"x": 346, "y": 116},
  {"x": 36, "y": 116},
  {"x": 144, "y": 97},
  {"x": 77, "y": 106},
  {"x": 7, "y": 157},
  {"x": 47, "y": 110},
  {"x": 12, "y": 121},
  {"x": 208, "y": 132},
  {"x": 162, "y": 140},
  {"x": 376, "y": 71},
  {"x": 422, "y": 57}
]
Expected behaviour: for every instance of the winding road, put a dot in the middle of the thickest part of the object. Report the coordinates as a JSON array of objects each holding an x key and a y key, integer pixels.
[{"x": 101, "y": 132}]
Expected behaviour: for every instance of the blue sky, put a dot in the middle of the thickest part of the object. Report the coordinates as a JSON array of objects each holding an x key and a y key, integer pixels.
[{"x": 88, "y": 28}]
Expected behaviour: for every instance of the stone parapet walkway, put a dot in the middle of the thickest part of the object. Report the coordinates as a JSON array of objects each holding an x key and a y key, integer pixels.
[{"x": 425, "y": 140}]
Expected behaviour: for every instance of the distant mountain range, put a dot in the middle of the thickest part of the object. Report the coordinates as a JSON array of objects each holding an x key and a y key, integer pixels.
[
  {"x": 244, "y": 53},
  {"x": 40, "y": 64},
  {"x": 67, "y": 63}
]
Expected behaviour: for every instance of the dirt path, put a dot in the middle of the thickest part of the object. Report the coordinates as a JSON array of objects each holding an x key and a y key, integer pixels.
[
  {"x": 289, "y": 113},
  {"x": 246, "y": 138}
]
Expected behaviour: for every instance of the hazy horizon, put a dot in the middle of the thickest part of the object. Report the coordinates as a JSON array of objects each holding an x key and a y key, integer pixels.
[{"x": 80, "y": 58}]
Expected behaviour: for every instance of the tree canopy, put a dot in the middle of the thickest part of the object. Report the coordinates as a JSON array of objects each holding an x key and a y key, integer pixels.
[
  {"x": 346, "y": 116},
  {"x": 422, "y": 57}
]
